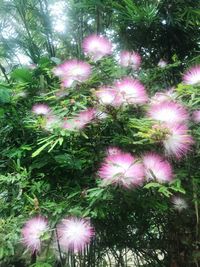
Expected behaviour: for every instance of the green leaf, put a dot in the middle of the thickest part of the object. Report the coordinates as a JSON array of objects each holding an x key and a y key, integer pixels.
[
  {"x": 23, "y": 75},
  {"x": 1, "y": 252},
  {"x": 5, "y": 94},
  {"x": 41, "y": 264},
  {"x": 164, "y": 190},
  {"x": 39, "y": 150},
  {"x": 56, "y": 60},
  {"x": 152, "y": 185}
]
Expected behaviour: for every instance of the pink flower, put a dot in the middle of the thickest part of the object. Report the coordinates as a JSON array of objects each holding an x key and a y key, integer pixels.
[
  {"x": 168, "y": 95},
  {"x": 192, "y": 76},
  {"x": 112, "y": 150},
  {"x": 73, "y": 71},
  {"x": 132, "y": 91},
  {"x": 132, "y": 59},
  {"x": 179, "y": 203},
  {"x": 66, "y": 83},
  {"x": 40, "y": 109},
  {"x": 157, "y": 168},
  {"x": 97, "y": 46},
  {"x": 122, "y": 169},
  {"x": 51, "y": 122},
  {"x": 168, "y": 111},
  {"x": 71, "y": 124},
  {"x": 196, "y": 116},
  {"x": 74, "y": 234},
  {"x": 162, "y": 63},
  {"x": 32, "y": 66},
  {"x": 86, "y": 116},
  {"x": 32, "y": 232},
  {"x": 80, "y": 120},
  {"x": 109, "y": 96},
  {"x": 177, "y": 142}
]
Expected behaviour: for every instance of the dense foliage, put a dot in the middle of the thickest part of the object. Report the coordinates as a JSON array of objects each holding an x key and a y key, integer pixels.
[{"x": 53, "y": 171}]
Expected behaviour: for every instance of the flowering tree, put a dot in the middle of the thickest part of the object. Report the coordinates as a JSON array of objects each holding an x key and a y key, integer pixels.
[
  {"x": 115, "y": 153},
  {"x": 99, "y": 161}
]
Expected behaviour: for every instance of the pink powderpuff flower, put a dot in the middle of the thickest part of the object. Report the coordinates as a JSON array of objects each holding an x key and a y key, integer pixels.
[
  {"x": 132, "y": 91},
  {"x": 168, "y": 95},
  {"x": 122, "y": 169},
  {"x": 109, "y": 96},
  {"x": 73, "y": 71},
  {"x": 32, "y": 232},
  {"x": 41, "y": 109},
  {"x": 31, "y": 66},
  {"x": 157, "y": 168},
  {"x": 70, "y": 124},
  {"x": 80, "y": 120},
  {"x": 177, "y": 142},
  {"x": 96, "y": 46},
  {"x": 196, "y": 116},
  {"x": 132, "y": 59},
  {"x": 113, "y": 150},
  {"x": 66, "y": 83},
  {"x": 51, "y": 122},
  {"x": 86, "y": 116},
  {"x": 125, "y": 58},
  {"x": 168, "y": 111},
  {"x": 192, "y": 76},
  {"x": 74, "y": 234},
  {"x": 179, "y": 203},
  {"x": 162, "y": 63}
]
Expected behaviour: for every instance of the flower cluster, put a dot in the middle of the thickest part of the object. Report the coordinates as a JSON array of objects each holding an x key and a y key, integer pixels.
[
  {"x": 169, "y": 115},
  {"x": 127, "y": 91},
  {"x": 126, "y": 170},
  {"x": 130, "y": 59},
  {"x": 41, "y": 109},
  {"x": 119, "y": 168},
  {"x": 168, "y": 111},
  {"x": 178, "y": 141},
  {"x": 122, "y": 169},
  {"x": 73, "y": 71},
  {"x": 80, "y": 120},
  {"x": 33, "y": 231},
  {"x": 74, "y": 234},
  {"x": 157, "y": 168},
  {"x": 168, "y": 95},
  {"x": 172, "y": 119},
  {"x": 77, "y": 122},
  {"x": 71, "y": 234},
  {"x": 96, "y": 46},
  {"x": 192, "y": 76}
]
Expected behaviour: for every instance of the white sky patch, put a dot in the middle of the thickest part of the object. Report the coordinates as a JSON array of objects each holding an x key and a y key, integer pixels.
[
  {"x": 24, "y": 60},
  {"x": 8, "y": 31},
  {"x": 58, "y": 14},
  {"x": 90, "y": 21},
  {"x": 110, "y": 34}
]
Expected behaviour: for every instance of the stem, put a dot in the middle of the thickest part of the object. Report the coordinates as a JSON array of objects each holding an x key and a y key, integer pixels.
[
  {"x": 33, "y": 257},
  {"x": 4, "y": 73},
  {"x": 60, "y": 254},
  {"x": 196, "y": 207}
]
